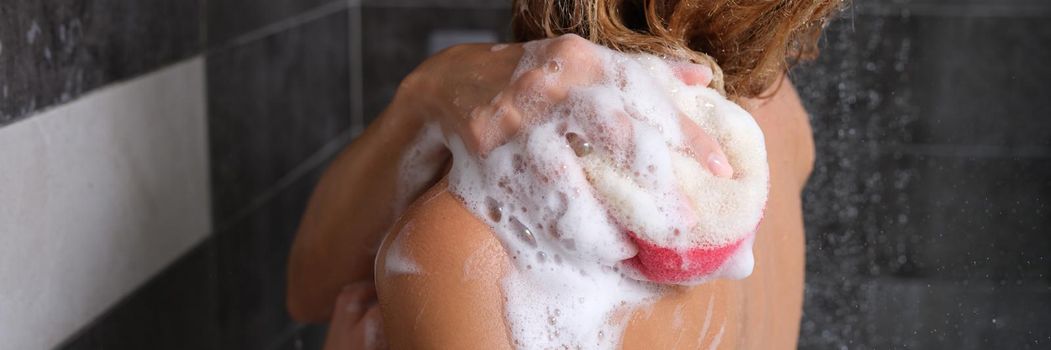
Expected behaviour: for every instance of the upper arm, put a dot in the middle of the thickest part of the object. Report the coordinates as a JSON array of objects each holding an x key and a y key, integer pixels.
[{"x": 438, "y": 279}]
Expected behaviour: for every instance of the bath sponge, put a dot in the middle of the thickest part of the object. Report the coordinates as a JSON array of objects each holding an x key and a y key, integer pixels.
[{"x": 718, "y": 214}]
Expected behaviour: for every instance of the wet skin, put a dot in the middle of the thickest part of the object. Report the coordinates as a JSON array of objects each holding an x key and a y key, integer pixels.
[{"x": 455, "y": 301}]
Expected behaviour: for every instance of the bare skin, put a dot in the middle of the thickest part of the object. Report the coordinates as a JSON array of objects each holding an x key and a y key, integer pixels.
[
  {"x": 442, "y": 307},
  {"x": 461, "y": 89}
]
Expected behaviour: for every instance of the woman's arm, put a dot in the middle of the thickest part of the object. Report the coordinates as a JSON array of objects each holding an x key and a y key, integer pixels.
[
  {"x": 438, "y": 279},
  {"x": 350, "y": 209},
  {"x": 468, "y": 90}
]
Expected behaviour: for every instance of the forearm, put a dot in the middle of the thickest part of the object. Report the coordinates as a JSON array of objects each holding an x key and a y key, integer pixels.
[{"x": 350, "y": 209}]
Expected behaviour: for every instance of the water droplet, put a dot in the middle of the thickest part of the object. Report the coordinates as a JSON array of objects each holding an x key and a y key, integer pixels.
[
  {"x": 496, "y": 211},
  {"x": 554, "y": 66},
  {"x": 580, "y": 145},
  {"x": 541, "y": 257},
  {"x": 523, "y": 232}
]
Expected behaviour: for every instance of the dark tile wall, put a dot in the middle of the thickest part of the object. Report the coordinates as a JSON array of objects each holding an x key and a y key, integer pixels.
[
  {"x": 279, "y": 78},
  {"x": 927, "y": 214},
  {"x": 396, "y": 39},
  {"x": 272, "y": 103},
  {"x": 279, "y": 108},
  {"x": 176, "y": 309},
  {"x": 52, "y": 51},
  {"x": 230, "y": 19}
]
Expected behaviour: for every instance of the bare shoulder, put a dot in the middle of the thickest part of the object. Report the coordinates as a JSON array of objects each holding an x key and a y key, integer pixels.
[
  {"x": 438, "y": 278},
  {"x": 786, "y": 124}
]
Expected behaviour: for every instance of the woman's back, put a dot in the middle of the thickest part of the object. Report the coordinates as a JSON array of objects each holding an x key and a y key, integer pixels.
[{"x": 439, "y": 270}]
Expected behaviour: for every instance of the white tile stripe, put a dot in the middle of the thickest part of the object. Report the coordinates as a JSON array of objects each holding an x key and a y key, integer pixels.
[{"x": 96, "y": 196}]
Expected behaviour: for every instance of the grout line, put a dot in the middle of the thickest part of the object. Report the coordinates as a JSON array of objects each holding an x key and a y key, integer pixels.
[
  {"x": 88, "y": 328},
  {"x": 286, "y": 24},
  {"x": 323, "y": 154}
]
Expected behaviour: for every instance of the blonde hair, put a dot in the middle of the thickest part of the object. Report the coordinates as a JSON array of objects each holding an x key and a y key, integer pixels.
[{"x": 752, "y": 41}]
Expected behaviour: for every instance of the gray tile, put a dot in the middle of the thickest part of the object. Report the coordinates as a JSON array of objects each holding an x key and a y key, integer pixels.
[
  {"x": 917, "y": 137},
  {"x": 983, "y": 81},
  {"x": 229, "y": 19},
  {"x": 177, "y": 309},
  {"x": 396, "y": 39},
  {"x": 945, "y": 218},
  {"x": 978, "y": 219},
  {"x": 882, "y": 82},
  {"x": 52, "y": 51},
  {"x": 227, "y": 293},
  {"x": 252, "y": 257},
  {"x": 916, "y": 314},
  {"x": 273, "y": 103}
]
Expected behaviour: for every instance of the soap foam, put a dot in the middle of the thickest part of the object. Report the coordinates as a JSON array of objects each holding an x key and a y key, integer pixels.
[{"x": 567, "y": 194}]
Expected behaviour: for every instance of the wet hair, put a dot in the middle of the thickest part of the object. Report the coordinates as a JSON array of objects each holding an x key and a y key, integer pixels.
[{"x": 752, "y": 41}]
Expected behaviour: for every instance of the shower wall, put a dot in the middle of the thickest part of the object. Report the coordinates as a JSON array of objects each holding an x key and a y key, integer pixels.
[
  {"x": 927, "y": 213},
  {"x": 155, "y": 157}
]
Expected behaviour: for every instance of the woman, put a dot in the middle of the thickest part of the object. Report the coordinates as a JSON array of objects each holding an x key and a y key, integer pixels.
[{"x": 357, "y": 200}]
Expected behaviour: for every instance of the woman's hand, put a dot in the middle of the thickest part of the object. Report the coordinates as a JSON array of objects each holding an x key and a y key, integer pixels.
[
  {"x": 472, "y": 91},
  {"x": 356, "y": 321},
  {"x": 475, "y": 93}
]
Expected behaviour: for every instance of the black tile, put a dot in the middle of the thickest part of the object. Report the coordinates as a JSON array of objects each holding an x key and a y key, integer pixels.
[
  {"x": 176, "y": 309},
  {"x": 252, "y": 259},
  {"x": 983, "y": 81},
  {"x": 272, "y": 103},
  {"x": 978, "y": 219},
  {"x": 52, "y": 51},
  {"x": 916, "y": 314},
  {"x": 396, "y": 39},
  {"x": 228, "y": 19},
  {"x": 933, "y": 167},
  {"x": 964, "y": 81},
  {"x": 946, "y": 218},
  {"x": 881, "y": 196}
]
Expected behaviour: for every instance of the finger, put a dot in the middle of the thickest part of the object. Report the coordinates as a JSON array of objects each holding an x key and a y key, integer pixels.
[
  {"x": 354, "y": 300},
  {"x": 693, "y": 74},
  {"x": 352, "y": 306},
  {"x": 705, "y": 149},
  {"x": 371, "y": 327},
  {"x": 491, "y": 126}
]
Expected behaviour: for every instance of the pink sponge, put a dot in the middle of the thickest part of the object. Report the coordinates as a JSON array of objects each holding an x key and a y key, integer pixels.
[
  {"x": 686, "y": 222},
  {"x": 666, "y": 265}
]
